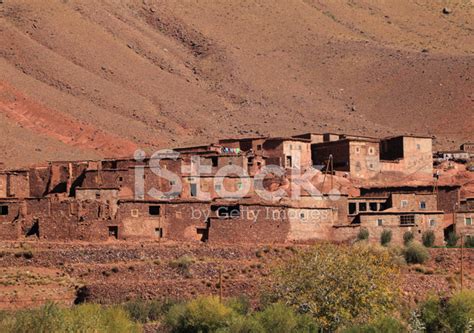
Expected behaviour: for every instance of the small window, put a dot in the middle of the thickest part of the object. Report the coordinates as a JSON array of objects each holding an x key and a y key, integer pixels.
[
  {"x": 422, "y": 205},
  {"x": 97, "y": 195},
  {"x": 239, "y": 186},
  {"x": 113, "y": 232},
  {"x": 418, "y": 147},
  {"x": 159, "y": 232},
  {"x": 3, "y": 210},
  {"x": 214, "y": 161},
  {"x": 134, "y": 212},
  {"x": 371, "y": 151},
  {"x": 172, "y": 182},
  {"x": 404, "y": 203},
  {"x": 357, "y": 150},
  {"x": 120, "y": 179},
  {"x": 373, "y": 206},
  {"x": 379, "y": 222},
  {"x": 291, "y": 147},
  {"x": 407, "y": 219},
  {"x": 302, "y": 215},
  {"x": 217, "y": 187},
  {"x": 468, "y": 220},
  {"x": 154, "y": 210},
  {"x": 352, "y": 207},
  {"x": 259, "y": 147},
  {"x": 432, "y": 223},
  {"x": 362, "y": 206}
]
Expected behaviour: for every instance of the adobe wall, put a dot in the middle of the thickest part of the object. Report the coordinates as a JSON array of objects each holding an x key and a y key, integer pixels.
[
  {"x": 418, "y": 155},
  {"x": 256, "y": 224},
  {"x": 392, "y": 222},
  {"x": 364, "y": 159},
  {"x": 300, "y": 153},
  {"x": 10, "y": 223},
  {"x": 310, "y": 224},
  {"x": 413, "y": 201},
  {"x": 461, "y": 227}
]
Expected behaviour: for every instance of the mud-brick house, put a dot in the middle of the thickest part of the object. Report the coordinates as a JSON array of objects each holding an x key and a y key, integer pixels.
[
  {"x": 396, "y": 210},
  {"x": 359, "y": 157},
  {"x": 407, "y": 154},
  {"x": 178, "y": 220},
  {"x": 11, "y": 214},
  {"x": 15, "y": 183},
  {"x": 464, "y": 217},
  {"x": 468, "y": 147},
  {"x": 287, "y": 152}
]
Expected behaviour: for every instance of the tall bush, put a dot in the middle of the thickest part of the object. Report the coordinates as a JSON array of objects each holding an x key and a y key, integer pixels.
[
  {"x": 363, "y": 234},
  {"x": 338, "y": 285}
]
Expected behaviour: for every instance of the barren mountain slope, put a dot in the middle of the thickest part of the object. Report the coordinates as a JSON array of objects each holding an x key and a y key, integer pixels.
[{"x": 126, "y": 74}]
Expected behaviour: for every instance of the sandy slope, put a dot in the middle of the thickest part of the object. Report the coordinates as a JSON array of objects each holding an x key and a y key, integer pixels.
[{"x": 161, "y": 73}]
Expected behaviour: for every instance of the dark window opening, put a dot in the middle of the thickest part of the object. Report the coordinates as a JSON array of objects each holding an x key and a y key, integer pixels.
[
  {"x": 193, "y": 190},
  {"x": 259, "y": 147},
  {"x": 362, "y": 206},
  {"x": 120, "y": 179},
  {"x": 3, "y": 210},
  {"x": 214, "y": 161},
  {"x": 373, "y": 206},
  {"x": 352, "y": 207},
  {"x": 422, "y": 205},
  {"x": 34, "y": 230},
  {"x": 250, "y": 160},
  {"x": 114, "y": 165},
  {"x": 407, "y": 219},
  {"x": 113, "y": 232},
  {"x": 154, "y": 210},
  {"x": 159, "y": 232},
  {"x": 204, "y": 233},
  {"x": 289, "y": 162},
  {"x": 97, "y": 195}
]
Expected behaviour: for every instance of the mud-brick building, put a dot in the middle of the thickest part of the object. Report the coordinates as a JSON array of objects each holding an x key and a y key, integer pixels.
[
  {"x": 394, "y": 209},
  {"x": 287, "y": 152},
  {"x": 14, "y": 184},
  {"x": 464, "y": 217},
  {"x": 407, "y": 154},
  {"x": 359, "y": 157}
]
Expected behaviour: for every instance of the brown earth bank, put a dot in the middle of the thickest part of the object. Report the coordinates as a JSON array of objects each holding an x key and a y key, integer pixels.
[
  {"x": 89, "y": 78},
  {"x": 34, "y": 273}
]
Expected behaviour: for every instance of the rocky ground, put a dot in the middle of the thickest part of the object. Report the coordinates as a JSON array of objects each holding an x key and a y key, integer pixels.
[{"x": 33, "y": 273}]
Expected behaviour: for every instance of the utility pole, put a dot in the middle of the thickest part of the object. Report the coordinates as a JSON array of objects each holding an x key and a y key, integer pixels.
[
  {"x": 462, "y": 260},
  {"x": 220, "y": 284}
]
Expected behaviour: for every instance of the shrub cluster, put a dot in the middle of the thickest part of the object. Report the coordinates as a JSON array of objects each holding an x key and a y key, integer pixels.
[
  {"x": 80, "y": 318},
  {"x": 416, "y": 253},
  {"x": 428, "y": 238}
]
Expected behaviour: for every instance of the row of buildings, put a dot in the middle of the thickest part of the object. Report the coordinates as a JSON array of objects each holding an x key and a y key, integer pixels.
[{"x": 133, "y": 199}]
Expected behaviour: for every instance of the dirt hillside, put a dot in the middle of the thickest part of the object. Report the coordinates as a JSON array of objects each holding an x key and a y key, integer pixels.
[{"x": 86, "y": 80}]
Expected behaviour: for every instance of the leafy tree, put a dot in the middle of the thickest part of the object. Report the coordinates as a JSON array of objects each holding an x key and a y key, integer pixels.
[
  {"x": 384, "y": 324},
  {"x": 460, "y": 311},
  {"x": 338, "y": 285}
]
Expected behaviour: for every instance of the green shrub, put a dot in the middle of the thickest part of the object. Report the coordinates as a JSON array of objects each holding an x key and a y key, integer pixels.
[
  {"x": 80, "y": 318},
  {"x": 452, "y": 239},
  {"x": 279, "y": 318},
  {"x": 363, "y": 234},
  {"x": 416, "y": 253},
  {"x": 183, "y": 262},
  {"x": 144, "y": 311},
  {"x": 428, "y": 238},
  {"x": 453, "y": 315},
  {"x": 408, "y": 237},
  {"x": 241, "y": 324},
  {"x": 386, "y": 237},
  {"x": 469, "y": 241},
  {"x": 203, "y": 314},
  {"x": 240, "y": 304},
  {"x": 384, "y": 324},
  {"x": 460, "y": 311}
]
